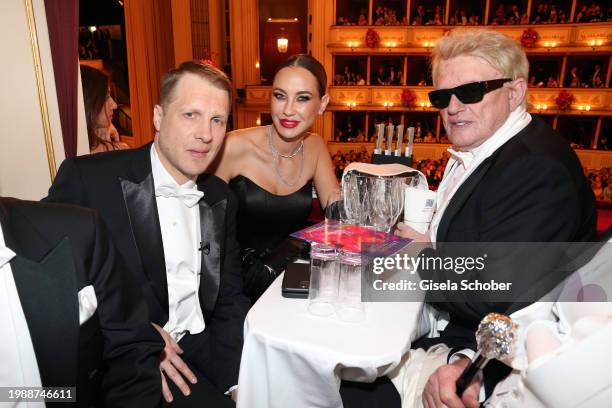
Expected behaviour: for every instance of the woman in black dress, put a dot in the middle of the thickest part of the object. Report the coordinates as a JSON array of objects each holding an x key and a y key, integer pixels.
[{"x": 272, "y": 169}]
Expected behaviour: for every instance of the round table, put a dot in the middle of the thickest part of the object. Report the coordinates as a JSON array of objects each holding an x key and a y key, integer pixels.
[{"x": 294, "y": 359}]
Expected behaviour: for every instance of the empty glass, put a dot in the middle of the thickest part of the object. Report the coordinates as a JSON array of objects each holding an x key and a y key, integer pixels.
[
  {"x": 348, "y": 305},
  {"x": 324, "y": 273},
  {"x": 386, "y": 202},
  {"x": 354, "y": 198}
]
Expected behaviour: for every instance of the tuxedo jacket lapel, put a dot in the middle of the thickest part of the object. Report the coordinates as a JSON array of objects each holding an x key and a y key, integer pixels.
[
  {"x": 460, "y": 197},
  {"x": 211, "y": 227},
  {"x": 47, "y": 285},
  {"x": 213, "y": 207},
  {"x": 139, "y": 196}
]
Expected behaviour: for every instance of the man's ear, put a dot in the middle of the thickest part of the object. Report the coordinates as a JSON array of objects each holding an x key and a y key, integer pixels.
[
  {"x": 158, "y": 115},
  {"x": 324, "y": 102},
  {"x": 518, "y": 92}
]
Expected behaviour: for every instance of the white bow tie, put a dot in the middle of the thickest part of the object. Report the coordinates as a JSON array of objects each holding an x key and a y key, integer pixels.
[
  {"x": 5, "y": 255},
  {"x": 189, "y": 196}
]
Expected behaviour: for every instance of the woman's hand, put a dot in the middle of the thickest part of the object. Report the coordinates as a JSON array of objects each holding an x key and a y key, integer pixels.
[
  {"x": 113, "y": 133},
  {"x": 108, "y": 134}
]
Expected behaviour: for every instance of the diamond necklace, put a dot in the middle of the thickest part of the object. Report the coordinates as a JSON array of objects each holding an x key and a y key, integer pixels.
[{"x": 276, "y": 154}]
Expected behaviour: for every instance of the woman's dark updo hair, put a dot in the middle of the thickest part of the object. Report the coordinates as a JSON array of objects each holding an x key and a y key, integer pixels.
[{"x": 311, "y": 65}]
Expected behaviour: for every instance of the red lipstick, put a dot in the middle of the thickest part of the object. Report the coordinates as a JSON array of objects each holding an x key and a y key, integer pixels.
[{"x": 289, "y": 124}]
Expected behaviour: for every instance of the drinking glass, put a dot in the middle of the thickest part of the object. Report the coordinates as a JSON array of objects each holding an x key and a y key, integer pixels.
[
  {"x": 348, "y": 305},
  {"x": 354, "y": 196},
  {"x": 324, "y": 273}
]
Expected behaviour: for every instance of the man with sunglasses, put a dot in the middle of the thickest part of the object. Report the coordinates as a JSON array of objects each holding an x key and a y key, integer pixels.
[{"x": 510, "y": 178}]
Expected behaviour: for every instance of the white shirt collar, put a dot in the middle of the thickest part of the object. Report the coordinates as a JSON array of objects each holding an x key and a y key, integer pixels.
[
  {"x": 161, "y": 176},
  {"x": 6, "y": 254}
]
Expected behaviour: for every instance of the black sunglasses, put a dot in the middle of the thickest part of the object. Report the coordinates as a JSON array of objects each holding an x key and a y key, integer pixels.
[{"x": 466, "y": 93}]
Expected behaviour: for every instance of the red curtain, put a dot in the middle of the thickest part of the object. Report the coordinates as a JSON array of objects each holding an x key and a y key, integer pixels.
[{"x": 63, "y": 24}]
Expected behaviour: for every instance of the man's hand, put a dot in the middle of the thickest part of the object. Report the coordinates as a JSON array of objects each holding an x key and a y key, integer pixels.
[
  {"x": 405, "y": 231},
  {"x": 235, "y": 395},
  {"x": 172, "y": 365},
  {"x": 440, "y": 390}
]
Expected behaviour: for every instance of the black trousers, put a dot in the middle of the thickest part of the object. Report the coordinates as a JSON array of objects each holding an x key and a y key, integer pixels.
[
  {"x": 379, "y": 394},
  {"x": 203, "y": 394}
]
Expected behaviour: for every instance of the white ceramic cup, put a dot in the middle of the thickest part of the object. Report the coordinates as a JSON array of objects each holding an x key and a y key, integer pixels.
[{"x": 419, "y": 207}]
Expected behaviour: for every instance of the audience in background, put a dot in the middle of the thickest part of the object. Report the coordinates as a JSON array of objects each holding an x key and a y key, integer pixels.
[
  {"x": 387, "y": 74},
  {"x": 349, "y": 132},
  {"x": 341, "y": 160},
  {"x": 433, "y": 15},
  {"x": 542, "y": 13},
  {"x": 460, "y": 17},
  {"x": 542, "y": 77},
  {"x": 552, "y": 82},
  {"x": 590, "y": 14},
  {"x": 349, "y": 77},
  {"x": 601, "y": 182},
  {"x": 361, "y": 20},
  {"x": 594, "y": 76},
  {"x": 596, "y": 79},
  {"x": 546, "y": 13},
  {"x": 572, "y": 79},
  {"x": 99, "y": 109},
  {"x": 384, "y": 15}
]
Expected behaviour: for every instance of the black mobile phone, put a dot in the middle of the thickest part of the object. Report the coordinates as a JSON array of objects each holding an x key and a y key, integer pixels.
[{"x": 296, "y": 281}]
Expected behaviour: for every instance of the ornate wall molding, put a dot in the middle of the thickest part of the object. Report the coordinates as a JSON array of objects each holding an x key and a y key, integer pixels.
[
  {"x": 40, "y": 87},
  {"x": 574, "y": 37}
]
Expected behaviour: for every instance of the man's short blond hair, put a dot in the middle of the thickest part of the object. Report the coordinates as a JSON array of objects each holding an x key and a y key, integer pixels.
[
  {"x": 500, "y": 51},
  {"x": 202, "y": 69}
]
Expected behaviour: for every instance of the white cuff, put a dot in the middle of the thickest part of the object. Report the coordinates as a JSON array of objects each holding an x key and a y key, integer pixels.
[
  {"x": 232, "y": 388},
  {"x": 469, "y": 353}
]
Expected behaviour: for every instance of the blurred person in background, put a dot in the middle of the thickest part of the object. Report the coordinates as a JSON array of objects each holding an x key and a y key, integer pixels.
[{"x": 99, "y": 109}]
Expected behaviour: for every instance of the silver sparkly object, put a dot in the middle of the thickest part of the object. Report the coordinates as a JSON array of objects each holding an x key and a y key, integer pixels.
[{"x": 496, "y": 337}]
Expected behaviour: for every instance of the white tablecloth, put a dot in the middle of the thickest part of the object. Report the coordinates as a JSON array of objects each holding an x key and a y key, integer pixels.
[{"x": 292, "y": 359}]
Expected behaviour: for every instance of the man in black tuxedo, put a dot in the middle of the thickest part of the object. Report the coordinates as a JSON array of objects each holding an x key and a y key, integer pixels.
[
  {"x": 175, "y": 228},
  {"x": 61, "y": 285},
  {"x": 511, "y": 178}
]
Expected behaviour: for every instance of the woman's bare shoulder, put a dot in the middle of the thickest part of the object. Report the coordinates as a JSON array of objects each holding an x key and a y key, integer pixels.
[
  {"x": 242, "y": 139},
  {"x": 315, "y": 142},
  {"x": 237, "y": 151}
]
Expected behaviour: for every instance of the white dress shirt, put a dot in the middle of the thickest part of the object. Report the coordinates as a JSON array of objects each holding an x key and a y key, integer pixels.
[
  {"x": 180, "y": 229},
  {"x": 19, "y": 367}
]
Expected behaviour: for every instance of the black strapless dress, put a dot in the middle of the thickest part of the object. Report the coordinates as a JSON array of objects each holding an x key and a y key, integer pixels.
[{"x": 265, "y": 221}]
